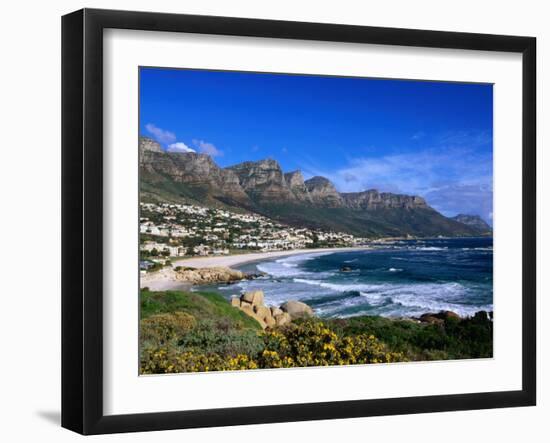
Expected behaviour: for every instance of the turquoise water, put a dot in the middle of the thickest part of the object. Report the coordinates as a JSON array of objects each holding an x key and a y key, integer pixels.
[{"x": 405, "y": 278}]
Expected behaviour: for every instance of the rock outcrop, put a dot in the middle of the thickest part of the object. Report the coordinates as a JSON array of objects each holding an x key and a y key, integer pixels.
[
  {"x": 252, "y": 304},
  {"x": 438, "y": 318},
  {"x": 373, "y": 200},
  {"x": 295, "y": 181},
  {"x": 198, "y": 276},
  {"x": 323, "y": 193},
  {"x": 296, "y": 309},
  {"x": 197, "y": 172},
  {"x": 263, "y": 180},
  {"x": 147, "y": 144}
]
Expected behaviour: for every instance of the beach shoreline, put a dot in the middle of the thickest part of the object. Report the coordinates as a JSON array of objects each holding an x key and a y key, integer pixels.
[
  {"x": 347, "y": 280},
  {"x": 165, "y": 279},
  {"x": 241, "y": 259}
]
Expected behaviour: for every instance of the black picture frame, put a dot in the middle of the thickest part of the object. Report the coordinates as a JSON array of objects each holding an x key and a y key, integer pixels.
[{"x": 82, "y": 190}]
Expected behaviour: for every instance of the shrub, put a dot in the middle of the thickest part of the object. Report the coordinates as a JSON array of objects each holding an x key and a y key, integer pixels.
[
  {"x": 454, "y": 339},
  {"x": 163, "y": 328},
  {"x": 167, "y": 360},
  {"x": 211, "y": 337},
  {"x": 211, "y": 346},
  {"x": 313, "y": 343}
]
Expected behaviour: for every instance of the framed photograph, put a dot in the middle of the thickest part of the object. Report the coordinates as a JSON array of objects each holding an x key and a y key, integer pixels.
[{"x": 269, "y": 221}]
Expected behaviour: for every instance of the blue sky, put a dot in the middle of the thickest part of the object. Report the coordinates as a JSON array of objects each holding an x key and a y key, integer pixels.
[{"x": 432, "y": 139}]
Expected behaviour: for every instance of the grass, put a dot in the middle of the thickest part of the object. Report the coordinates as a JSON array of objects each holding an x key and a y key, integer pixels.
[{"x": 201, "y": 305}]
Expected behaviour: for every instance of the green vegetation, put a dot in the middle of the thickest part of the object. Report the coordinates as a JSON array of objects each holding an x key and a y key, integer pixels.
[
  {"x": 191, "y": 331},
  {"x": 202, "y": 306},
  {"x": 453, "y": 339},
  {"x": 423, "y": 222}
]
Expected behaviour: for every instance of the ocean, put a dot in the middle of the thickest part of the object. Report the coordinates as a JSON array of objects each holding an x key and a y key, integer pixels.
[{"x": 405, "y": 278}]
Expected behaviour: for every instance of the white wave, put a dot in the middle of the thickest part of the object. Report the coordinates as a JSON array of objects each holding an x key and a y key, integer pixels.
[
  {"x": 395, "y": 270},
  {"x": 334, "y": 286},
  {"x": 429, "y": 248},
  {"x": 289, "y": 266},
  {"x": 406, "y": 299},
  {"x": 279, "y": 269},
  {"x": 375, "y": 299}
]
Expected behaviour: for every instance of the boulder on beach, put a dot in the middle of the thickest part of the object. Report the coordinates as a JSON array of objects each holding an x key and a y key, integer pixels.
[
  {"x": 262, "y": 311},
  {"x": 448, "y": 314},
  {"x": 431, "y": 319},
  {"x": 252, "y": 304},
  {"x": 282, "y": 319},
  {"x": 256, "y": 298},
  {"x": 296, "y": 309},
  {"x": 276, "y": 311},
  {"x": 438, "y": 318},
  {"x": 219, "y": 274}
]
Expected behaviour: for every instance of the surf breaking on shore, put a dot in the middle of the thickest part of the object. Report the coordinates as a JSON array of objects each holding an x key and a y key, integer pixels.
[
  {"x": 396, "y": 280},
  {"x": 164, "y": 279}
]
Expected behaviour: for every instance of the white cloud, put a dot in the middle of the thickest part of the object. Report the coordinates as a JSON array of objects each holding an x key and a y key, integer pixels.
[
  {"x": 161, "y": 135},
  {"x": 453, "y": 179},
  {"x": 179, "y": 147},
  {"x": 207, "y": 148}
]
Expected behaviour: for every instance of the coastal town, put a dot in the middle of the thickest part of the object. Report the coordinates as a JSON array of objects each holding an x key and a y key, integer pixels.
[{"x": 185, "y": 230}]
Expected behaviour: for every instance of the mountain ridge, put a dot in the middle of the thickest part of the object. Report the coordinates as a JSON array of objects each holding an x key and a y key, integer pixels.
[
  {"x": 262, "y": 187},
  {"x": 474, "y": 221}
]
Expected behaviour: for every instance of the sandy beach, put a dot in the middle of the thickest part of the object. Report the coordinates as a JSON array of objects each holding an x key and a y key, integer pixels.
[
  {"x": 165, "y": 278},
  {"x": 236, "y": 260}
]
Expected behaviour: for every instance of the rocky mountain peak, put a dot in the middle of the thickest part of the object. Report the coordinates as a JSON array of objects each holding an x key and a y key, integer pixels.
[
  {"x": 148, "y": 144},
  {"x": 294, "y": 178},
  {"x": 322, "y": 191},
  {"x": 295, "y": 181},
  {"x": 318, "y": 181},
  {"x": 263, "y": 180}
]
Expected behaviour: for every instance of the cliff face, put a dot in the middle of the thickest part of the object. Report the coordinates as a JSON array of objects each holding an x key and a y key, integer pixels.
[
  {"x": 372, "y": 199},
  {"x": 474, "y": 221},
  {"x": 264, "y": 188},
  {"x": 322, "y": 192},
  {"x": 263, "y": 180},
  {"x": 195, "y": 171},
  {"x": 295, "y": 181},
  {"x": 147, "y": 144}
]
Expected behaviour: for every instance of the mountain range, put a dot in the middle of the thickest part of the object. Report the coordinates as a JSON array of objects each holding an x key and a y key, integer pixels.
[
  {"x": 262, "y": 187},
  {"x": 475, "y": 221}
]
